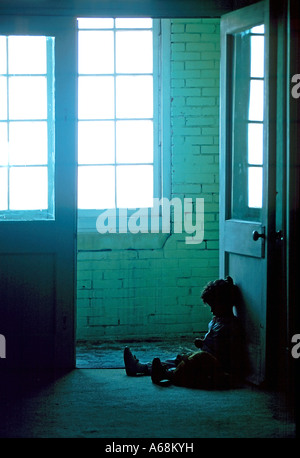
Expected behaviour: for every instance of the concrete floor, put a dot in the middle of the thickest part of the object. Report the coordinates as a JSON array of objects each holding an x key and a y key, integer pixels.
[
  {"x": 109, "y": 355},
  {"x": 105, "y": 403},
  {"x": 96, "y": 401}
]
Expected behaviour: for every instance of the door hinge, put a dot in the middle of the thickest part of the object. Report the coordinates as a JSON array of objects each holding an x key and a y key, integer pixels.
[{"x": 279, "y": 236}]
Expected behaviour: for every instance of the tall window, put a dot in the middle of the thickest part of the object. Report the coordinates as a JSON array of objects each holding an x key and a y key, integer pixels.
[
  {"x": 26, "y": 127},
  {"x": 256, "y": 118},
  {"x": 118, "y": 93},
  {"x": 248, "y": 73}
]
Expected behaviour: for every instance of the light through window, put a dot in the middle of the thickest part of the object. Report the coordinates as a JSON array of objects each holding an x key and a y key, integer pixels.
[
  {"x": 116, "y": 113},
  {"x": 26, "y": 127},
  {"x": 256, "y": 118}
]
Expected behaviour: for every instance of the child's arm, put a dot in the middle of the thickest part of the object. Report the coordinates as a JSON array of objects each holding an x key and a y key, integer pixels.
[{"x": 198, "y": 342}]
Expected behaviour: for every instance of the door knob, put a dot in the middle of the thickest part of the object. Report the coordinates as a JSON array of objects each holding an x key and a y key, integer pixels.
[{"x": 256, "y": 236}]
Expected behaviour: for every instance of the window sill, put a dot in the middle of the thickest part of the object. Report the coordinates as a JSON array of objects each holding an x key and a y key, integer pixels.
[
  {"x": 118, "y": 234},
  {"x": 93, "y": 241}
]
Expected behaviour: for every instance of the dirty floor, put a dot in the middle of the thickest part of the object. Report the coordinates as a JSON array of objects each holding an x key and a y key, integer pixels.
[{"x": 109, "y": 355}]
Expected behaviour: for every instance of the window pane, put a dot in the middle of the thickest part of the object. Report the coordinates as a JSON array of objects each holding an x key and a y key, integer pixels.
[
  {"x": 3, "y": 188},
  {"x": 28, "y": 188},
  {"x": 24, "y": 137},
  {"x": 134, "y": 23},
  {"x": 28, "y": 97},
  {"x": 255, "y": 187},
  {"x": 28, "y": 143},
  {"x": 96, "y": 97},
  {"x": 134, "y": 96},
  {"x": 27, "y": 55},
  {"x": 96, "y": 52},
  {"x": 258, "y": 29},
  {"x": 134, "y": 186},
  {"x": 257, "y": 56},
  {"x": 134, "y": 52},
  {"x": 134, "y": 141},
  {"x": 3, "y": 56},
  {"x": 3, "y": 144},
  {"x": 3, "y": 97},
  {"x": 255, "y": 144},
  {"x": 256, "y": 105},
  {"x": 115, "y": 108},
  {"x": 96, "y": 187},
  {"x": 95, "y": 23},
  {"x": 96, "y": 141}
]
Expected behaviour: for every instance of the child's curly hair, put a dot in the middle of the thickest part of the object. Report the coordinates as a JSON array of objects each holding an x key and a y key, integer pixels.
[{"x": 219, "y": 292}]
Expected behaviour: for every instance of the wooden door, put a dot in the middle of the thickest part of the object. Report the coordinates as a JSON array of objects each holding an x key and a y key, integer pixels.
[
  {"x": 247, "y": 186},
  {"x": 38, "y": 191}
]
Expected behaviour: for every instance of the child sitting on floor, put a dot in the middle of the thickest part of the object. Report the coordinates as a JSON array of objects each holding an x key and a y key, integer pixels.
[{"x": 218, "y": 363}]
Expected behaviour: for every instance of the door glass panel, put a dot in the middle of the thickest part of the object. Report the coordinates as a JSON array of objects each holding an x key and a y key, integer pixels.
[
  {"x": 3, "y": 189},
  {"x": 26, "y": 127},
  {"x": 247, "y": 88},
  {"x": 3, "y": 59},
  {"x": 33, "y": 183},
  {"x": 256, "y": 100},
  {"x": 254, "y": 187},
  {"x": 27, "y": 55},
  {"x": 3, "y": 144},
  {"x": 28, "y": 143},
  {"x": 257, "y": 56},
  {"x": 3, "y": 98},
  {"x": 27, "y": 97},
  {"x": 255, "y": 143}
]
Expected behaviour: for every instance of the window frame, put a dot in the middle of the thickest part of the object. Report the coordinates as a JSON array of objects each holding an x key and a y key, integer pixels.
[
  {"x": 48, "y": 213},
  {"x": 86, "y": 222},
  {"x": 240, "y": 209}
]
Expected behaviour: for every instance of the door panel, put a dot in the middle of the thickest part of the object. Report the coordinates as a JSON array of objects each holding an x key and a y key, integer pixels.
[
  {"x": 245, "y": 172},
  {"x": 251, "y": 310},
  {"x": 27, "y": 306},
  {"x": 238, "y": 238},
  {"x": 37, "y": 240}
]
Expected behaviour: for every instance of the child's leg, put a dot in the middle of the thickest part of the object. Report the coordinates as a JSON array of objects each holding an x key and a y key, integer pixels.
[{"x": 201, "y": 370}]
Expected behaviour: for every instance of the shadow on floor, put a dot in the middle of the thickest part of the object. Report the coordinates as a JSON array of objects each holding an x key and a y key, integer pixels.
[
  {"x": 105, "y": 403},
  {"x": 98, "y": 400}
]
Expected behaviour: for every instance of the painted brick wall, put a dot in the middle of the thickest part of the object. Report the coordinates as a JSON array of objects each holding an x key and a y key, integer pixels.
[{"x": 146, "y": 292}]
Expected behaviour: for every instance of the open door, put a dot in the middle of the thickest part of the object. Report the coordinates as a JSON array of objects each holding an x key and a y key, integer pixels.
[
  {"x": 247, "y": 187},
  {"x": 37, "y": 191}
]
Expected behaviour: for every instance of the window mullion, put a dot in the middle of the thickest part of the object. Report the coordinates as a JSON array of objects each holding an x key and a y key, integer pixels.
[
  {"x": 8, "y": 125},
  {"x": 50, "y": 124},
  {"x": 115, "y": 114}
]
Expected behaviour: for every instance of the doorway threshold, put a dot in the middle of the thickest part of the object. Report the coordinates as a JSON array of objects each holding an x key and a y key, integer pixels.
[{"x": 109, "y": 354}]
